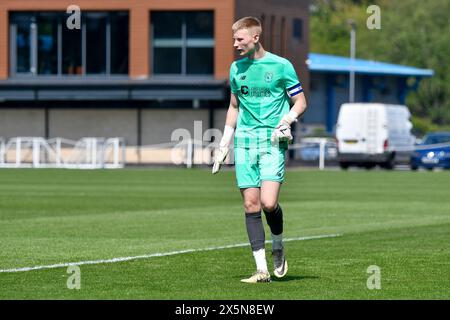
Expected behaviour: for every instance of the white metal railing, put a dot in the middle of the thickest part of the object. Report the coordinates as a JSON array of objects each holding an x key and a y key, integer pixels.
[
  {"x": 93, "y": 153},
  {"x": 86, "y": 153},
  {"x": 191, "y": 152},
  {"x": 187, "y": 152},
  {"x": 320, "y": 149}
]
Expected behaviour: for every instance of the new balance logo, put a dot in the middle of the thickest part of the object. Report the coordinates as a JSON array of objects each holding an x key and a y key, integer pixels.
[{"x": 243, "y": 77}]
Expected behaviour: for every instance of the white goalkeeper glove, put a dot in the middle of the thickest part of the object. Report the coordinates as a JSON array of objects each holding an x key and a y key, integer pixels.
[
  {"x": 282, "y": 131},
  {"x": 224, "y": 147}
]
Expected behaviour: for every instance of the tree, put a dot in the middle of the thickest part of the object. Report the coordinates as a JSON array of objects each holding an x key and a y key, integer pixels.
[{"x": 413, "y": 33}]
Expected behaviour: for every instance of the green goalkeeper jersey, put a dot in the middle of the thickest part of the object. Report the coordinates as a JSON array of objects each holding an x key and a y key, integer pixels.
[{"x": 263, "y": 87}]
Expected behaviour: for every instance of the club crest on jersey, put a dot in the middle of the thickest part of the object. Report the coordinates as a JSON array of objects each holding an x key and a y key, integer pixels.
[{"x": 268, "y": 76}]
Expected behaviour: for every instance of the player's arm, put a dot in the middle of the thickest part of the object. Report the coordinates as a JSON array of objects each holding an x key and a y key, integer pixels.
[
  {"x": 294, "y": 90},
  {"x": 230, "y": 124},
  {"x": 233, "y": 111},
  {"x": 283, "y": 131},
  {"x": 299, "y": 106}
]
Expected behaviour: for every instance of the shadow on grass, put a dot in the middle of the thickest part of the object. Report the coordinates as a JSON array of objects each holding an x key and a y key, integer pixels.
[
  {"x": 293, "y": 278},
  {"x": 290, "y": 278}
]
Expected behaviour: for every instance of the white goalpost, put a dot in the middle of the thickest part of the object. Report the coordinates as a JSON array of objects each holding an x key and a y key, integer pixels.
[{"x": 86, "y": 153}]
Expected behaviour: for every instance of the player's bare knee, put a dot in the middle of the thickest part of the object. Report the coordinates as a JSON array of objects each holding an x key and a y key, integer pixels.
[
  {"x": 252, "y": 206},
  {"x": 269, "y": 206}
]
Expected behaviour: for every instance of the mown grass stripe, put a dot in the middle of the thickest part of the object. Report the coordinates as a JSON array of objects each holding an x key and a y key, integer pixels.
[{"x": 153, "y": 255}]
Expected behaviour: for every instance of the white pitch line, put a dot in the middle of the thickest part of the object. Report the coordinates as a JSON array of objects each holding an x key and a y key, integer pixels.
[{"x": 153, "y": 255}]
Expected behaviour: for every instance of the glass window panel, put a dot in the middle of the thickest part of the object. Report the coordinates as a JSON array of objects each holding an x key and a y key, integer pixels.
[
  {"x": 200, "y": 61},
  {"x": 47, "y": 43},
  {"x": 71, "y": 50},
  {"x": 297, "y": 29},
  {"x": 170, "y": 43},
  {"x": 23, "y": 55},
  {"x": 167, "y": 61},
  {"x": 22, "y": 44},
  {"x": 167, "y": 24},
  {"x": 96, "y": 43},
  {"x": 200, "y": 24},
  {"x": 119, "y": 43}
]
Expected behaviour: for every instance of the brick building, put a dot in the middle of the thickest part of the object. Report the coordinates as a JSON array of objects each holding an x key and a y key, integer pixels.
[{"x": 136, "y": 69}]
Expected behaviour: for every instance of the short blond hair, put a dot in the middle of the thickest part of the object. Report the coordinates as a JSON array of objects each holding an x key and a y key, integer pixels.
[{"x": 250, "y": 23}]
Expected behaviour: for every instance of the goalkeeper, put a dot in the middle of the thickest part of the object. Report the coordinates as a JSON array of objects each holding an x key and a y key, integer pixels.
[{"x": 263, "y": 88}]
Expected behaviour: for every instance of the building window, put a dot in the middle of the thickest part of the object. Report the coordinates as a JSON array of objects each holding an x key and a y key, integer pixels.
[
  {"x": 95, "y": 25},
  {"x": 119, "y": 42},
  {"x": 72, "y": 51},
  {"x": 183, "y": 42},
  {"x": 297, "y": 29},
  {"x": 47, "y": 43},
  {"x": 21, "y": 43},
  {"x": 41, "y": 44}
]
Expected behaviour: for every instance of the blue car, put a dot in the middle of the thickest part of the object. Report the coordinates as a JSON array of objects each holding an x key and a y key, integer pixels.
[
  {"x": 311, "y": 151},
  {"x": 433, "y": 152}
]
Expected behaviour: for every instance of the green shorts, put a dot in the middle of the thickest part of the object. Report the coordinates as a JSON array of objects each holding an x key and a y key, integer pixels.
[{"x": 254, "y": 165}]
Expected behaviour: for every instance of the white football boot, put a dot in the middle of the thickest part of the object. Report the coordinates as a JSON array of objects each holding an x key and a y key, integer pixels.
[
  {"x": 279, "y": 263},
  {"x": 258, "y": 276}
]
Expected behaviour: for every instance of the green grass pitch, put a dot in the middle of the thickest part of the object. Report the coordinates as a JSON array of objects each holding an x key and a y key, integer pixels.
[{"x": 398, "y": 221}]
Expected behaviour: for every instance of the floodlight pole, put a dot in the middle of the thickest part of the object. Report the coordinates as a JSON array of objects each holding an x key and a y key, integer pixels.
[{"x": 352, "y": 60}]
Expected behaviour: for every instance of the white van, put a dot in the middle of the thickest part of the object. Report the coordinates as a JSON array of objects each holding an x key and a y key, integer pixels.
[{"x": 374, "y": 133}]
